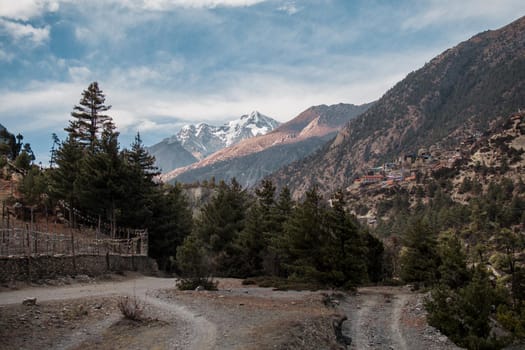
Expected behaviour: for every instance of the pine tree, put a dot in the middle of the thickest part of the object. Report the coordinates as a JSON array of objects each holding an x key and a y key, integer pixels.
[
  {"x": 89, "y": 120},
  {"x": 374, "y": 258},
  {"x": 88, "y": 164},
  {"x": 33, "y": 186},
  {"x": 464, "y": 314},
  {"x": 170, "y": 224},
  {"x": 279, "y": 214},
  {"x": 100, "y": 182},
  {"x": 303, "y": 236},
  {"x": 192, "y": 259},
  {"x": 260, "y": 227},
  {"x": 266, "y": 195},
  {"x": 139, "y": 172},
  {"x": 139, "y": 158},
  {"x": 64, "y": 176},
  {"x": 344, "y": 249},
  {"x": 53, "y": 151},
  {"x": 251, "y": 242},
  {"x": 453, "y": 270},
  {"x": 219, "y": 224},
  {"x": 419, "y": 260}
]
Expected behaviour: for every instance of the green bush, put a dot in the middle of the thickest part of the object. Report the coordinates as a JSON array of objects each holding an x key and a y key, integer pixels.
[{"x": 196, "y": 283}]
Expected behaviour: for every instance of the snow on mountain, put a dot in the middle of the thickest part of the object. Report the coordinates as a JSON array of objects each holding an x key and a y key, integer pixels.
[
  {"x": 202, "y": 139},
  {"x": 249, "y": 125}
]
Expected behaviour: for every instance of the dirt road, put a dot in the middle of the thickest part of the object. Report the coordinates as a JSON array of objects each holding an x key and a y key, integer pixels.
[
  {"x": 199, "y": 333},
  {"x": 235, "y": 317},
  {"x": 388, "y": 318}
]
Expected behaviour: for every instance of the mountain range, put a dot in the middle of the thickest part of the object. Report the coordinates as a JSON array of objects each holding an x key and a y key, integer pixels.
[
  {"x": 194, "y": 142},
  {"x": 463, "y": 89},
  {"x": 252, "y": 159}
]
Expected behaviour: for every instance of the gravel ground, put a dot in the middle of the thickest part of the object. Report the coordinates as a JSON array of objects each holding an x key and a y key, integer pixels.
[
  {"x": 86, "y": 315},
  {"x": 259, "y": 318},
  {"x": 389, "y": 318},
  {"x": 165, "y": 325}
]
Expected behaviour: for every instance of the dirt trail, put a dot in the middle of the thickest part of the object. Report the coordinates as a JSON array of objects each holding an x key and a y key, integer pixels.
[
  {"x": 388, "y": 318},
  {"x": 202, "y": 332},
  {"x": 235, "y": 317}
]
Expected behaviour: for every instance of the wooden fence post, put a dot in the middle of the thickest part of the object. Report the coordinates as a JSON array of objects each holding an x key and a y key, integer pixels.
[
  {"x": 73, "y": 250},
  {"x": 28, "y": 250},
  {"x": 33, "y": 232}
]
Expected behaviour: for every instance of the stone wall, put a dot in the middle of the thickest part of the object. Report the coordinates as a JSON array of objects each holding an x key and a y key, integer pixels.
[{"x": 49, "y": 267}]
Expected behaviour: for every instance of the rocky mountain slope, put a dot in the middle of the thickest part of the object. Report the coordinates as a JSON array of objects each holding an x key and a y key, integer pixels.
[
  {"x": 170, "y": 154},
  {"x": 464, "y": 87},
  {"x": 195, "y": 142},
  {"x": 252, "y": 159}
]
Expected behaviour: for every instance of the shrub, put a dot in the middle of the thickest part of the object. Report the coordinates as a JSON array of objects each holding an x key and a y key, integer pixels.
[
  {"x": 196, "y": 283},
  {"x": 131, "y": 308}
]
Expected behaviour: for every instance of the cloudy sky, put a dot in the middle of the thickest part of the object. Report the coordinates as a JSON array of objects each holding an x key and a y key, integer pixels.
[{"x": 163, "y": 63}]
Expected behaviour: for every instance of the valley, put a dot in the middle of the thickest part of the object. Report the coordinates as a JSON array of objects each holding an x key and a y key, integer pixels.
[{"x": 394, "y": 224}]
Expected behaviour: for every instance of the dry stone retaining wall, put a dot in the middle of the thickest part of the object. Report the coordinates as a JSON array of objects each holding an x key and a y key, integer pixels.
[{"x": 49, "y": 267}]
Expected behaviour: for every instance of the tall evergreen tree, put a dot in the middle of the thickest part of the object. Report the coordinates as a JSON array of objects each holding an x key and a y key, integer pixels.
[
  {"x": 279, "y": 214},
  {"x": 139, "y": 173},
  {"x": 344, "y": 247},
  {"x": 139, "y": 158},
  {"x": 89, "y": 118},
  {"x": 453, "y": 270},
  {"x": 304, "y": 231},
  {"x": 419, "y": 260},
  {"x": 33, "y": 186},
  {"x": 251, "y": 242},
  {"x": 260, "y": 226},
  {"x": 170, "y": 224},
  {"x": 64, "y": 176},
  {"x": 220, "y": 223},
  {"x": 100, "y": 184}
]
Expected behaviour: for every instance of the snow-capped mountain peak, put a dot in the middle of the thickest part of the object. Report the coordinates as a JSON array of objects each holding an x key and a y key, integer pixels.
[
  {"x": 196, "y": 141},
  {"x": 203, "y": 139}
]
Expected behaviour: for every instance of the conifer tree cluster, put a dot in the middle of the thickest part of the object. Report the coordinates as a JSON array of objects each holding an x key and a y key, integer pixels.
[
  {"x": 270, "y": 235},
  {"x": 14, "y": 149},
  {"x": 93, "y": 174},
  {"x": 99, "y": 184}
]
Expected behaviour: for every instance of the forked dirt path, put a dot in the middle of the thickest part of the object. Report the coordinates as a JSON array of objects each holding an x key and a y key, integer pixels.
[
  {"x": 235, "y": 317},
  {"x": 202, "y": 333}
]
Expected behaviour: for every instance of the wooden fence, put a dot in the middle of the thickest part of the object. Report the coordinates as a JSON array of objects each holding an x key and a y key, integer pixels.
[{"x": 28, "y": 242}]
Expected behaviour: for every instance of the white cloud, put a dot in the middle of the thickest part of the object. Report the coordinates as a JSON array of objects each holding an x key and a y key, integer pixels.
[
  {"x": 157, "y": 112},
  {"x": 26, "y": 9},
  {"x": 289, "y": 7},
  {"x": 80, "y": 74},
  {"x": 162, "y": 72},
  {"x": 20, "y": 31},
  {"x": 168, "y": 4},
  {"x": 450, "y": 11},
  {"x": 48, "y": 103}
]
